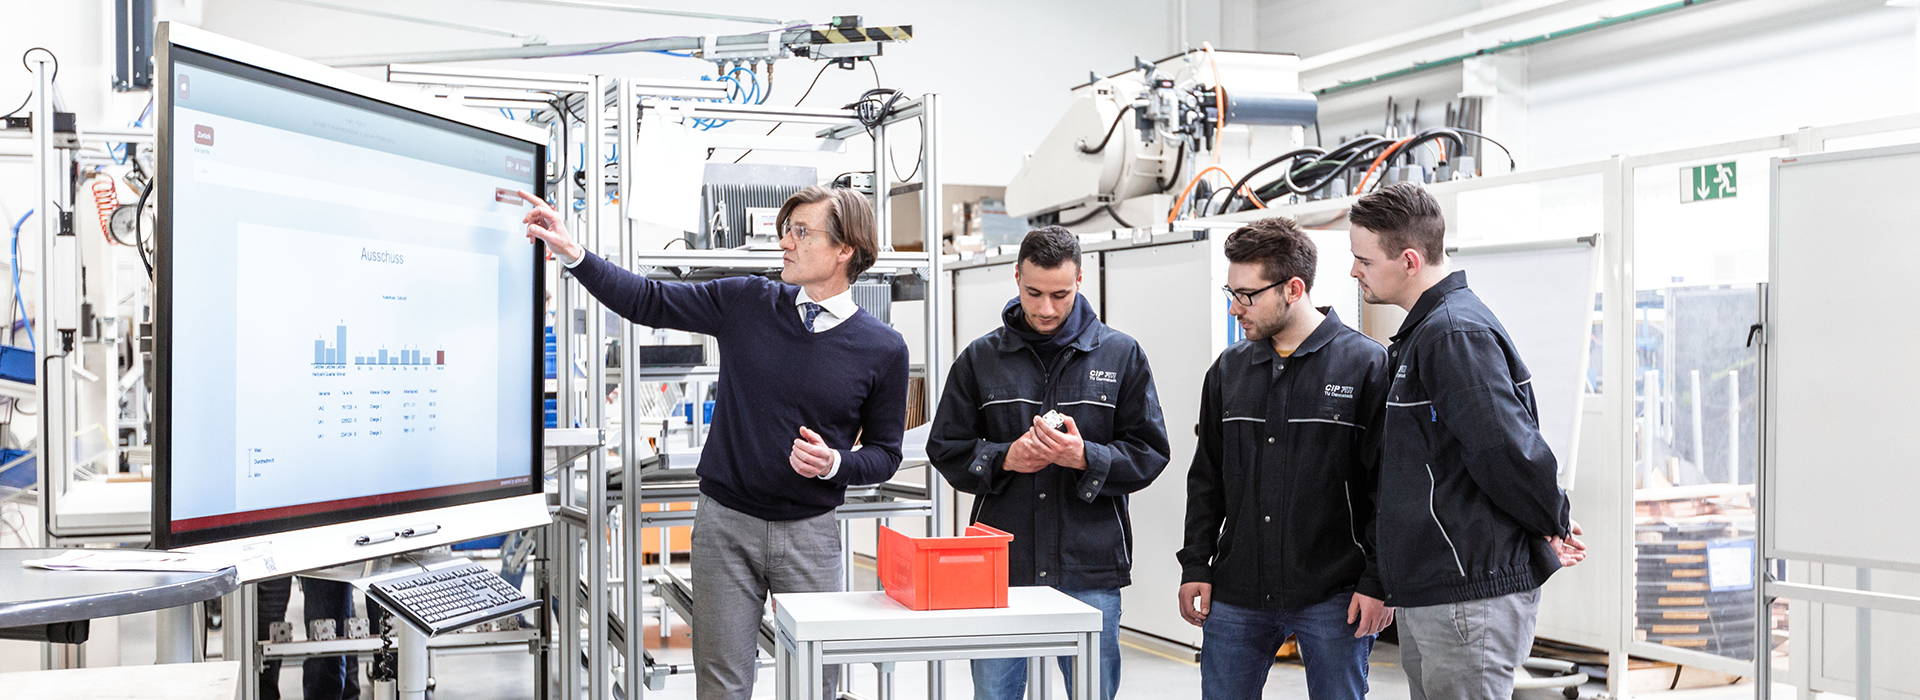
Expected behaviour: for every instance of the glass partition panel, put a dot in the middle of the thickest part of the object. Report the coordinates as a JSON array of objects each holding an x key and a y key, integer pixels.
[{"x": 1700, "y": 255}]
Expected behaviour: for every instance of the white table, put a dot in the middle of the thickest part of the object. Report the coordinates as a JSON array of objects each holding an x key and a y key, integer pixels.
[
  {"x": 212, "y": 680},
  {"x": 820, "y": 629}
]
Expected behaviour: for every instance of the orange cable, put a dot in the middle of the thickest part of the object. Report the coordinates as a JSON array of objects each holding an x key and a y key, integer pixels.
[
  {"x": 1376, "y": 163},
  {"x": 1171, "y": 214},
  {"x": 1189, "y": 190}
]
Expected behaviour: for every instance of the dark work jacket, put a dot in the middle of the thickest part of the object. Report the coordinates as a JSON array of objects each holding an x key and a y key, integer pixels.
[
  {"x": 1281, "y": 489},
  {"x": 1070, "y": 527},
  {"x": 1468, "y": 488}
]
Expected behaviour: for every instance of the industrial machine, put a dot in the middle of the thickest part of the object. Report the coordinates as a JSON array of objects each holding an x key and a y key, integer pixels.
[
  {"x": 1205, "y": 133},
  {"x": 1130, "y": 144}
]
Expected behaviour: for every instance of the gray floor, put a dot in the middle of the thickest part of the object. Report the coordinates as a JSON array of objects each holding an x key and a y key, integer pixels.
[
  {"x": 509, "y": 675},
  {"x": 1145, "y": 674}
]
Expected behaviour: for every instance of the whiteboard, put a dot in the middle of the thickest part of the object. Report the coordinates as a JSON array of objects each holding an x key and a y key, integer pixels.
[
  {"x": 1545, "y": 298},
  {"x": 1841, "y": 387}
]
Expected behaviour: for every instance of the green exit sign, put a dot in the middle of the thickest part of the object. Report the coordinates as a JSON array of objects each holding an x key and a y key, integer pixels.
[{"x": 1704, "y": 182}]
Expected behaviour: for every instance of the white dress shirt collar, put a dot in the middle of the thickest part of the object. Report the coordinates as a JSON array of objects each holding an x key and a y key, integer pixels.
[{"x": 839, "y": 306}]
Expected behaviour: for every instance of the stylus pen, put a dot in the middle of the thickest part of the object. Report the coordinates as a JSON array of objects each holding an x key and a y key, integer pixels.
[{"x": 375, "y": 537}]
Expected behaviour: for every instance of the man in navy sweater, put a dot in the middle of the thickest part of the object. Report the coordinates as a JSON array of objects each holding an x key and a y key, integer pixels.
[{"x": 804, "y": 374}]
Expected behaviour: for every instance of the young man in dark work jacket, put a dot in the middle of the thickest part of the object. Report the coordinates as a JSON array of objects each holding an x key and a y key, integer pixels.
[
  {"x": 1471, "y": 517},
  {"x": 1061, "y": 493},
  {"x": 1283, "y": 468},
  {"x": 803, "y": 374}
]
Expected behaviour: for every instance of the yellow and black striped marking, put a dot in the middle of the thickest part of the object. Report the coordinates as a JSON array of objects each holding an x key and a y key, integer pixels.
[{"x": 859, "y": 34}]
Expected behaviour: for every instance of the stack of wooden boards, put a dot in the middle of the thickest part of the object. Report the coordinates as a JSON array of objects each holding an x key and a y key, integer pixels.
[{"x": 1677, "y": 604}]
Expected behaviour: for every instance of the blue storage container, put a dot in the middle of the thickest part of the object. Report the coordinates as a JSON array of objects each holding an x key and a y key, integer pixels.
[
  {"x": 552, "y": 348},
  {"x": 686, "y": 411},
  {"x": 21, "y": 475},
  {"x": 16, "y": 364},
  {"x": 493, "y": 542}
]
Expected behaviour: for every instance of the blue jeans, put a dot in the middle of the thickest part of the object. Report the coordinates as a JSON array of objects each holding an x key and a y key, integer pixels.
[
  {"x": 1006, "y": 679},
  {"x": 1240, "y": 644},
  {"x": 323, "y": 677}
]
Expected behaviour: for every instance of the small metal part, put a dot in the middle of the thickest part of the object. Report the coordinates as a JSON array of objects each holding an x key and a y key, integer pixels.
[
  {"x": 321, "y": 631},
  {"x": 1054, "y": 419}
]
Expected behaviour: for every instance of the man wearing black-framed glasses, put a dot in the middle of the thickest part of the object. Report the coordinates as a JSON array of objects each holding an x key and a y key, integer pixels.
[{"x": 1279, "y": 494}]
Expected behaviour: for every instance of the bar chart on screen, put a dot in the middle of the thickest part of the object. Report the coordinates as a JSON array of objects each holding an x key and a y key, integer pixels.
[{"x": 335, "y": 354}]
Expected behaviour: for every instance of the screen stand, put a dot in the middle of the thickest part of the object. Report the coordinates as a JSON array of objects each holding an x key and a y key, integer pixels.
[
  {"x": 410, "y": 642},
  {"x": 412, "y": 650}
]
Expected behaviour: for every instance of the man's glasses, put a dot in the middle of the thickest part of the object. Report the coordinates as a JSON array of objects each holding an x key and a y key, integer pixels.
[
  {"x": 1246, "y": 298},
  {"x": 797, "y": 230}
]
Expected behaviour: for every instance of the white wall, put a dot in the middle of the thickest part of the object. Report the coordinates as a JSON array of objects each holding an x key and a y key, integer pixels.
[
  {"x": 1719, "y": 73},
  {"x": 1309, "y": 27},
  {"x": 1706, "y": 74},
  {"x": 1002, "y": 67}
]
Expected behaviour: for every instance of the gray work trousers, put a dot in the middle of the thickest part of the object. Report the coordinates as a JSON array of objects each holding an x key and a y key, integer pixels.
[
  {"x": 737, "y": 560},
  {"x": 1467, "y": 650}
]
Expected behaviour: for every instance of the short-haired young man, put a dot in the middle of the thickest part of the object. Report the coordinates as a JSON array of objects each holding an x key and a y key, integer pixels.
[
  {"x": 804, "y": 374},
  {"x": 1471, "y": 518},
  {"x": 1062, "y": 493},
  {"x": 1279, "y": 495}
]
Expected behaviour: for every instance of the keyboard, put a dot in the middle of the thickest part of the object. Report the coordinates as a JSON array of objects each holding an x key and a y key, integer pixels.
[{"x": 448, "y": 599}]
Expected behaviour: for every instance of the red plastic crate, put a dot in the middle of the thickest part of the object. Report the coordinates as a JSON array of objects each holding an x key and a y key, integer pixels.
[{"x": 946, "y": 573}]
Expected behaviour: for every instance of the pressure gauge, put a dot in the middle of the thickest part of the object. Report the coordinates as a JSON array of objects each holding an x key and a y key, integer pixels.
[{"x": 121, "y": 226}]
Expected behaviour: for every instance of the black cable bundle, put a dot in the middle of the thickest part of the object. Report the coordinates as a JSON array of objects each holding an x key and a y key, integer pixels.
[
  {"x": 1311, "y": 169},
  {"x": 871, "y": 110}
]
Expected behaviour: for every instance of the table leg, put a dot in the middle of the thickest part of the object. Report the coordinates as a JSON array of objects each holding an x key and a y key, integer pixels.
[
  {"x": 173, "y": 634},
  {"x": 936, "y": 680},
  {"x": 782, "y": 669},
  {"x": 885, "y": 673},
  {"x": 1087, "y": 667},
  {"x": 1037, "y": 681},
  {"x": 811, "y": 671}
]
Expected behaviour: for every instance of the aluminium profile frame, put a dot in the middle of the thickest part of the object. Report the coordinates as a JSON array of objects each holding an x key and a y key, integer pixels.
[{"x": 575, "y": 525}]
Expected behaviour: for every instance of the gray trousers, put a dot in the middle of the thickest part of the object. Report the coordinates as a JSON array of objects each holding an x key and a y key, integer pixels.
[
  {"x": 737, "y": 560},
  {"x": 1467, "y": 650}
]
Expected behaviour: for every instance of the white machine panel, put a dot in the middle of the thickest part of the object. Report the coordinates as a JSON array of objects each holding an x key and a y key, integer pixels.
[{"x": 1167, "y": 297}]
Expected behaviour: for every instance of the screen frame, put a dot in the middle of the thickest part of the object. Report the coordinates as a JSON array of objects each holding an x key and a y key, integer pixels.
[{"x": 213, "y": 52}]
